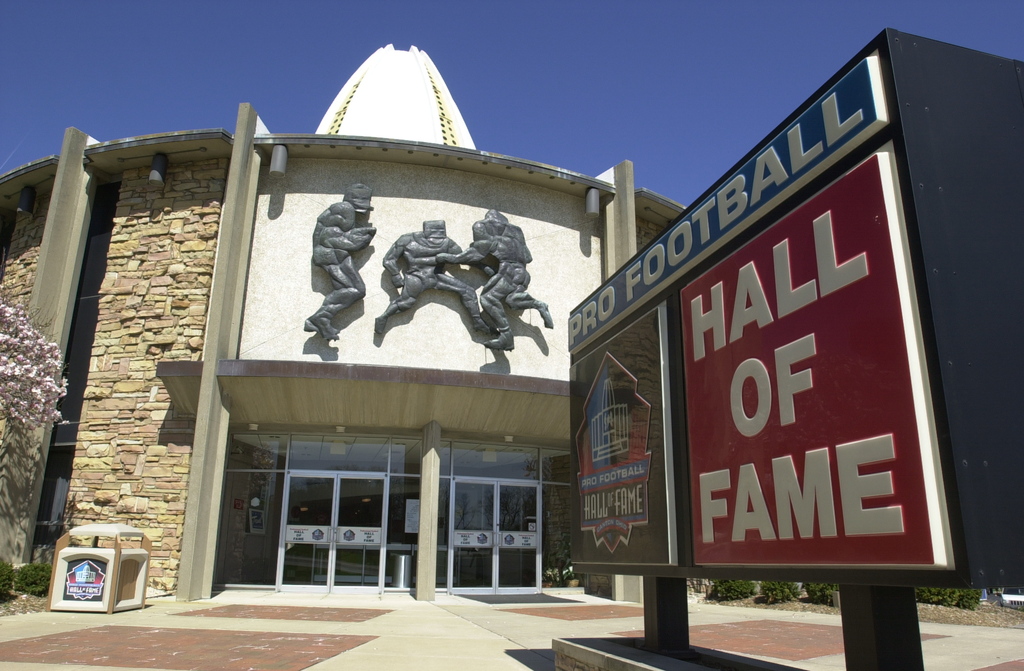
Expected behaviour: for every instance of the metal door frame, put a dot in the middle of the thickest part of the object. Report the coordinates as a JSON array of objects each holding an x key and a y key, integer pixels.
[
  {"x": 496, "y": 483},
  {"x": 329, "y": 587}
]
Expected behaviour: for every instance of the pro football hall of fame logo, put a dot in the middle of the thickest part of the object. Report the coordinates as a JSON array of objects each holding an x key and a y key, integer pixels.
[{"x": 614, "y": 461}]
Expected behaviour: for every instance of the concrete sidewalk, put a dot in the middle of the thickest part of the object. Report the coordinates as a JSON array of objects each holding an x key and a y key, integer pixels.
[{"x": 242, "y": 630}]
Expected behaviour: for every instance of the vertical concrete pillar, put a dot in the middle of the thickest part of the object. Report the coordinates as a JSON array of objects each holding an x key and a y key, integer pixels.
[
  {"x": 430, "y": 489},
  {"x": 628, "y": 588},
  {"x": 620, "y": 246},
  {"x": 620, "y": 221},
  {"x": 223, "y": 328},
  {"x": 54, "y": 293}
]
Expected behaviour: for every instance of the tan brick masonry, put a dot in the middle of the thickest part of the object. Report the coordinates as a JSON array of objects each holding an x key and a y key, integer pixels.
[{"x": 132, "y": 458}]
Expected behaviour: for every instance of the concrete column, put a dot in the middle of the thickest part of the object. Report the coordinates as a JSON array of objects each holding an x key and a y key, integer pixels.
[
  {"x": 620, "y": 246},
  {"x": 628, "y": 588},
  {"x": 430, "y": 489},
  {"x": 620, "y": 221},
  {"x": 52, "y": 303},
  {"x": 223, "y": 327}
]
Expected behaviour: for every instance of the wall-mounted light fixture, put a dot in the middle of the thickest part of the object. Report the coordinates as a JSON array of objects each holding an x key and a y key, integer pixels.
[
  {"x": 27, "y": 199},
  {"x": 593, "y": 203},
  {"x": 158, "y": 169},
  {"x": 279, "y": 160}
]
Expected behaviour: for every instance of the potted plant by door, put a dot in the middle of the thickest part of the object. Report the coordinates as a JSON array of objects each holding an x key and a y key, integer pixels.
[{"x": 550, "y": 577}]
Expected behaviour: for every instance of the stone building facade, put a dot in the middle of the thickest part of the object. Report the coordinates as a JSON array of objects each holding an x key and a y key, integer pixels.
[{"x": 204, "y": 413}]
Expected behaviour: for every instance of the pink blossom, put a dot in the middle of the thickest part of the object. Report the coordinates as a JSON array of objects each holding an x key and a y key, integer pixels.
[{"x": 31, "y": 370}]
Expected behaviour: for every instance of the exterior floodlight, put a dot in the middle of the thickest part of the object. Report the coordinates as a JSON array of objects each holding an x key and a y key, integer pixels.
[
  {"x": 27, "y": 199},
  {"x": 158, "y": 169},
  {"x": 279, "y": 160},
  {"x": 593, "y": 203}
]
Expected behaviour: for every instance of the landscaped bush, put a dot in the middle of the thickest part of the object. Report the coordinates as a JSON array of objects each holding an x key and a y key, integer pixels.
[
  {"x": 968, "y": 599},
  {"x": 731, "y": 590},
  {"x": 33, "y": 579},
  {"x": 820, "y": 592},
  {"x": 779, "y": 592},
  {"x": 6, "y": 580}
]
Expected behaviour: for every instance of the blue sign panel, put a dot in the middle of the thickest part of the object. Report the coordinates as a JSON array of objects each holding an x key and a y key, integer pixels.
[{"x": 844, "y": 117}]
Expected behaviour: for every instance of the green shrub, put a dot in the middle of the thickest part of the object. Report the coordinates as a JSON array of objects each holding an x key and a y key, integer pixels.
[
  {"x": 779, "y": 592},
  {"x": 731, "y": 590},
  {"x": 6, "y": 580},
  {"x": 33, "y": 579},
  {"x": 968, "y": 599},
  {"x": 820, "y": 592}
]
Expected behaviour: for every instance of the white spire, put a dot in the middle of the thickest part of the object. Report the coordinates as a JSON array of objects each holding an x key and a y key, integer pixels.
[{"x": 397, "y": 95}]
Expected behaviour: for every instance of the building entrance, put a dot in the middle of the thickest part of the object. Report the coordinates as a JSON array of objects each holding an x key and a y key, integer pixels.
[
  {"x": 495, "y": 537},
  {"x": 333, "y": 532},
  {"x": 330, "y": 513}
]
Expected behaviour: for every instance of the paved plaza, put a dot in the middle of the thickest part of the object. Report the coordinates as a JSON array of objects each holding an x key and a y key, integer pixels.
[{"x": 238, "y": 631}]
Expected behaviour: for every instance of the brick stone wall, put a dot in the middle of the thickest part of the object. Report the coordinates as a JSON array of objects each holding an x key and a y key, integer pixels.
[
  {"x": 20, "y": 267},
  {"x": 646, "y": 231},
  {"x": 132, "y": 457}
]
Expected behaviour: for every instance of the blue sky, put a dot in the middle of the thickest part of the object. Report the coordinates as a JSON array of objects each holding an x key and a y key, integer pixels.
[{"x": 682, "y": 88}]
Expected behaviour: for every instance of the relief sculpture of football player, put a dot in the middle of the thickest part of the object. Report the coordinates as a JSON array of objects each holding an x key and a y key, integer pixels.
[
  {"x": 343, "y": 228},
  {"x": 424, "y": 271},
  {"x": 494, "y": 236}
]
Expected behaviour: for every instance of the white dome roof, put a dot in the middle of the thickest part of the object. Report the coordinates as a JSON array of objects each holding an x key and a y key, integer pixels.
[{"x": 397, "y": 95}]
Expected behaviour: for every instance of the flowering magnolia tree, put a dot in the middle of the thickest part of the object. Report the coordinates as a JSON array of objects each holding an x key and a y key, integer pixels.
[{"x": 31, "y": 367}]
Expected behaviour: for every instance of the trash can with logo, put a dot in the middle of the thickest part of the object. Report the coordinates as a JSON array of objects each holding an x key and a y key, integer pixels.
[{"x": 100, "y": 579}]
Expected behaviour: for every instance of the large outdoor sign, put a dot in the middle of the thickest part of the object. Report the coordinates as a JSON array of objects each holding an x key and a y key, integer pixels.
[
  {"x": 840, "y": 401},
  {"x": 810, "y": 437},
  {"x": 838, "y": 121}
]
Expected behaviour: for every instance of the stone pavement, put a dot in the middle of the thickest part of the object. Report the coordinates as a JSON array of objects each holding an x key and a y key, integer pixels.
[{"x": 242, "y": 630}]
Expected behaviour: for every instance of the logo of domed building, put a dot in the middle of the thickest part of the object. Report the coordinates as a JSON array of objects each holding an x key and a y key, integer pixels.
[
  {"x": 614, "y": 460},
  {"x": 85, "y": 581}
]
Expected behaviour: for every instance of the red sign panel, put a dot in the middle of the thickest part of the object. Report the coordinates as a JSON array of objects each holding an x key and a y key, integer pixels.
[{"x": 810, "y": 442}]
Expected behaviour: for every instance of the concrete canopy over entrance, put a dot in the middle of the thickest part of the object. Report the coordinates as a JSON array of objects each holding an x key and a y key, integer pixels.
[{"x": 311, "y": 393}]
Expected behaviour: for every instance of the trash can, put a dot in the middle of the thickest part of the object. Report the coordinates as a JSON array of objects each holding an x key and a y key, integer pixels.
[
  {"x": 100, "y": 580},
  {"x": 401, "y": 571}
]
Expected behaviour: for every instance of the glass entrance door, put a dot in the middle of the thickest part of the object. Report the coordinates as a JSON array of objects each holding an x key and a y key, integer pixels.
[
  {"x": 495, "y": 537},
  {"x": 332, "y": 533}
]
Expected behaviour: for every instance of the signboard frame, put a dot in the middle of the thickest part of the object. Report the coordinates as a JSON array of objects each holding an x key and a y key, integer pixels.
[{"x": 626, "y": 526}]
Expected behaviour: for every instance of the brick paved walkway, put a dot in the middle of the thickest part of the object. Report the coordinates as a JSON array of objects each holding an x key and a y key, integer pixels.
[
  {"x": 289, "y": 613},
  {"x": 577, "y": 613},
  {"x": 182, "y": 649},
  {"x": 770, "y": 638}
]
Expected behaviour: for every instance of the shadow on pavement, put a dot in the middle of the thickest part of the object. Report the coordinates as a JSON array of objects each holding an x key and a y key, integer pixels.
[
  {"x": 508, "y": 599},
  {"x": 535, "y": 660}
]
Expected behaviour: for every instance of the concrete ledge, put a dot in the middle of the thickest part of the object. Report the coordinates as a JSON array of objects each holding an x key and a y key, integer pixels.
[
  {"x": 603, "y": 654},
  {"x": 608, "y": 655}
]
